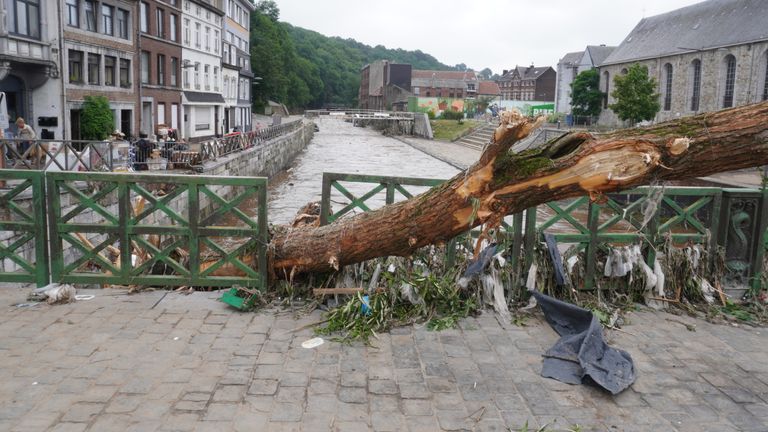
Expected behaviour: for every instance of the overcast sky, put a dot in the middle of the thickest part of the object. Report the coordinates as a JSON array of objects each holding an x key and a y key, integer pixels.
[{"x": 480, "y": 33}]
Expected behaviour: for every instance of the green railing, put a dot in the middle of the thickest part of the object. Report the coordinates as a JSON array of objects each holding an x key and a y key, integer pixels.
[
  {"x": 122, "y": 213},
  {"x": 389, "y": 185},
  {"x": 731, "y": 218},
  {"x": 23, "y": 240},
  {"x": 134, "y": 229}
]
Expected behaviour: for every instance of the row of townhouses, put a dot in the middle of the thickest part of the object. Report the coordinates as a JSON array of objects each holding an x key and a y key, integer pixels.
[
  {"x": 704, "y": 57},
  {"x": 180, "y": 64}
]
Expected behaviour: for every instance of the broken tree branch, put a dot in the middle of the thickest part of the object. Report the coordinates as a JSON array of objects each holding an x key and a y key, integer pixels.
[{"x": 502, "y": 183}]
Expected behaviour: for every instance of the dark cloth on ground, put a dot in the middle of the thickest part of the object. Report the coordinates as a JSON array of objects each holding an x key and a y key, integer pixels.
[{"x": 581, "y": 354}]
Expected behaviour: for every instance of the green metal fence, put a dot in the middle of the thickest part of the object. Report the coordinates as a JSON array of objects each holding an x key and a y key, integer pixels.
[
  {"x": 732, "y": 218},
  {"x": 119, "y": 212},
  {"x": 23, "y": 240},
  {"x": 390, "y": 185}
]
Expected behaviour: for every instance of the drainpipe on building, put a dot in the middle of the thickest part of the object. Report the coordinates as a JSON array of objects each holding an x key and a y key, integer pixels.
[
  {"x": 140, "y": 107},
  {"x": 65, "y": 118}
]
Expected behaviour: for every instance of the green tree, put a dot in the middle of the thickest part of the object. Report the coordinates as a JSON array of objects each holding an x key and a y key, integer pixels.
[
  {"x": 586, "y": 96},
  {"x": 635, "y": 94},
  {"x": 96, "y": 119},
  {"x": 486, "y": 73}
]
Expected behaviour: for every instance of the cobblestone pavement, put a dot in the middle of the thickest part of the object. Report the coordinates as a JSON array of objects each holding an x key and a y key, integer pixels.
[{"x": 157, "y": 361}]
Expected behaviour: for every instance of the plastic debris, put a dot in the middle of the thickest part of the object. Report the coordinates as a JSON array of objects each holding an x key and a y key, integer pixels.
[
  {"x": 561, "y": 279},
  {"x": 492, "y": 285},
  {"x": 365, "y": 307},
  {"x": 312, "y": 343},
  {"x": 410, "y": 294},
  {"x": 477, "y": 266},
  {"x": 55, "y": 293},
  {"x": 84, "y": 297},
  {"x": 530, "y": 283}
]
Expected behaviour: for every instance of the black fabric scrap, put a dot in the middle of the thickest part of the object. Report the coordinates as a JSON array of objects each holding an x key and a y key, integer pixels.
[
  {"x": 482, "y": 261},
  {"x": 581, "y": 351},
  {"x": 557, "y": 260}
]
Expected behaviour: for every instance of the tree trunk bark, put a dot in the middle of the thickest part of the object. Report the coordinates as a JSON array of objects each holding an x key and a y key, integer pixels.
[{"x": 502, "y": 183}]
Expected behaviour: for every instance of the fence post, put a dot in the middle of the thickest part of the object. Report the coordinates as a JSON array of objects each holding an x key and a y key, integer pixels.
[
  {"x": 325, "y": 200},
  {"x": 531, "y": 237},
  {"x": 592, "y": 247},
  {"x": 762, "y": 225}
]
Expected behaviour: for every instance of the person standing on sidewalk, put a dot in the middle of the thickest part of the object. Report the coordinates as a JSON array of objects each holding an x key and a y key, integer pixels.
[{"x": 26, "y": 133}]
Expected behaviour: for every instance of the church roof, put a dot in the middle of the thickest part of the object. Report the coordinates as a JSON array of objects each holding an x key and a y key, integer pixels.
[
  {"x": 599, "y": 53},
  {"x": 572, "y": 58},
  {"x": 707, "y": 25}
]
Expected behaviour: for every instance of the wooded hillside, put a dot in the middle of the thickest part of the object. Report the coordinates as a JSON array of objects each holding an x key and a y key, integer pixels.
[{"x": 305, "y": 69}]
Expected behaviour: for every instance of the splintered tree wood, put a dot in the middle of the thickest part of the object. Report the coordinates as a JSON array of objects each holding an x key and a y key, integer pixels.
[{"x": 502, "y": 183}]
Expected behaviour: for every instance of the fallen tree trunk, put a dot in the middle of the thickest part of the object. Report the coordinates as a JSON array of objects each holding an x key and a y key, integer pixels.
[{"x": 502, "y": 183}]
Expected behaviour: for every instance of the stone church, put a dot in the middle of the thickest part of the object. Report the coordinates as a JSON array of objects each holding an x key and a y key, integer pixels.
[{"x": 705, "y": 57}]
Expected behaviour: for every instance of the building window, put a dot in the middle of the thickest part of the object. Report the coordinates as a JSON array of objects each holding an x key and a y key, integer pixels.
[
  {"x": 606, "y": 88},
  {"x": 215, "y": 78},
  {"x": 667, "y": 87},
  {"x": 696, "y": 81},
  {"x": 186, "y": 78},
  {"x": 161, "y": 113},
  {"x": 197, "y": 76},
  {"x": 174, "y": 29},
  {"x": 174, "y": 71},
  {"x": 765, "y": 80},
  {"x": 25, "y": 19},
  {"x": 160, "y": 22},
  {"x": 197, "y": 35},
  {"x": 216, "y": 41},
  {"x": 73, "y": 13},
  {"x": 109, "y": 70},
  {"x": 730, "y": 80},
  {"x": 160, "y": 69},
  {"x": 207, "y": 38},
  {"x": 186, "y": 31},
  {"x": 207, "y": 77},
  {"x": 75, "y": 66},
  {"x": 145, "y": 67},
  {"x": 90, "y": 15},
  {"x": 108, "y": 19},
  {"x": 94, "y": 66},
  {"x": 122, "y": 23},
  {"x": 125, "y": 73},
  {"x": 144, "y": 12}
]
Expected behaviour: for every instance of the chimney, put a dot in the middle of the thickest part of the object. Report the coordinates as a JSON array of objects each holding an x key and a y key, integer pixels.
[{"x": 504, "y": 72}]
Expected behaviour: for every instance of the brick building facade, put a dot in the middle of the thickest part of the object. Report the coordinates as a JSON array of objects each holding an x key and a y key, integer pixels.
[
  {"x": 528, "y": 84},
  {"x": 99, "y": 51},
  {"x": 444, "y": 84},
  {"x": 160, "y": 65}
]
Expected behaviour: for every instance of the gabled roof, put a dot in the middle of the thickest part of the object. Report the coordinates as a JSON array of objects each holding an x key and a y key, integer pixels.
[
  {"x": 534, "y": 72},
  {"x": 488, "y": 88},
  {"x": 706, "y": 25},
  {"x": 598, "y": 53},
  {"x": 444, "y": 75},
  {"x": 523, "y": 72},
  {"x": 572, "y": 58}
]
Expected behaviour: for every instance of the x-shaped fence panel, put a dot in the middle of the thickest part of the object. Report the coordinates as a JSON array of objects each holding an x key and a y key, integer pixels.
[
  {"x": 163, "y": 230},
  {"x": 23, "y": 240}
]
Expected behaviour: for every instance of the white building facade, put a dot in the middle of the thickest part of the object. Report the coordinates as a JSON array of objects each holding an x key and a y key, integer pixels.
[
  {"x": 31, "y": 65},
  {"x": 570, "y": 66},
  {"x": 236, "y": 58},
  {"x": 202, "y": 100}
]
